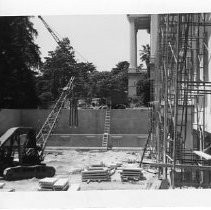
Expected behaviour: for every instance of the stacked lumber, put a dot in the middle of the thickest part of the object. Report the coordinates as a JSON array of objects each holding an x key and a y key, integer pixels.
[
  {"x": 134, "y": 174},
  {"x": 54, "y": 184},
  {"x": 61, "y": 185},
  {"x": 46, "y": 184},
  {"x": 96, "y": 174}
]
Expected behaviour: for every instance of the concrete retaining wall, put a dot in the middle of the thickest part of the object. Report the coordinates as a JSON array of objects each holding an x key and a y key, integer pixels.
[
  {"x": 9, "y": 118},
  {"x": 126, "y": 126},
  {"x": 89, "y": 140},
  {"x": 90, "y": 121},
  {"x": 127, "y": 121}
]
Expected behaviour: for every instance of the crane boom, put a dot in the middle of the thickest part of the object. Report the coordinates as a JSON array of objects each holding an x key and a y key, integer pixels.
[
  {"x": 48, "y": 126},
  {"x": 56, "y": 38}
]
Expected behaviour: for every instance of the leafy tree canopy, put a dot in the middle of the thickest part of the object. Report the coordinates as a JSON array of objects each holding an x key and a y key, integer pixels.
[
  {"x": 143, "y": 85},
  {"x": 58, "y": 68},
  {"x": 19, "y": 56}
]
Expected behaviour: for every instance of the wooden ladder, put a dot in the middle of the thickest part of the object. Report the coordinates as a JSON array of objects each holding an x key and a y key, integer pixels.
[{"x": 106, "y": 128}]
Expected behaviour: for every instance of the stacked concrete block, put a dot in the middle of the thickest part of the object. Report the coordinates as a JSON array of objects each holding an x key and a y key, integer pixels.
[
  {"x": 54, "y": 184},
  {"x": 133, "y": 174},
  {"x": 96, "y": 174}
]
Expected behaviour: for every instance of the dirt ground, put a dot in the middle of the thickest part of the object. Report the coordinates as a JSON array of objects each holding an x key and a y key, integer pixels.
[{"x": 70, "y": 163}]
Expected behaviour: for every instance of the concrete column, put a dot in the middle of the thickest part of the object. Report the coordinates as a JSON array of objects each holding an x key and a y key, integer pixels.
[
  {"x": 154, "y": 38},
  {"x": 133, "y": 45}
]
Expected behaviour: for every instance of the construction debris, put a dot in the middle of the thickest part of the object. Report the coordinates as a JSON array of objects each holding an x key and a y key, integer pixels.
[{"x": 133, "y": 174}]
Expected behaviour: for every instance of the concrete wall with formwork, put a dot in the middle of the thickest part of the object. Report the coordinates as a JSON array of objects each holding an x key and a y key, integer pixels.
[{"x": 9, "y": 118}]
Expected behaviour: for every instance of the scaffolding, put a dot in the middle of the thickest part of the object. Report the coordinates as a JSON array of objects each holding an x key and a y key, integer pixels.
[{"x": 182, "y": 89}]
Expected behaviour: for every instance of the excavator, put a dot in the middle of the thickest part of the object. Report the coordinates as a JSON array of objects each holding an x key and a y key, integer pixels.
[{"x": 22, "y": 150}]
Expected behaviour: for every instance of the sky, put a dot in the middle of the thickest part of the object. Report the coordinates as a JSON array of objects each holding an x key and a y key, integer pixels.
[{"x": 101, "y": 39}]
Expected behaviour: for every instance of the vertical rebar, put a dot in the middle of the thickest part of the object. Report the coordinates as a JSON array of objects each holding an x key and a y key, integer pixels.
[{"x": 176, "y": 101}]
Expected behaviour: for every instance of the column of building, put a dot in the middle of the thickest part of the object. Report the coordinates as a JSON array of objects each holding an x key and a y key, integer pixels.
[{"x": 132, "y": 80}]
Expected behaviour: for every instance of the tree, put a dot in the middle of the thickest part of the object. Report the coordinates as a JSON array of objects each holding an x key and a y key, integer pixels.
[
  {"x": 120, "y": 76},
  {"x": 145, "y": 56},
  {"x": 19, "y": 56},
  {"x": 143, "y": 85},
  {"x": 105, "y": 84},
  {"x": 143, "y": 89},
  {"x": 84, "y": 70},
  {"x": 58, "y": 68}
]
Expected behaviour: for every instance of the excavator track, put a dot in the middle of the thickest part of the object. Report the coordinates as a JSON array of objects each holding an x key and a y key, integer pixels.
[{"x": 28, "y": 172}]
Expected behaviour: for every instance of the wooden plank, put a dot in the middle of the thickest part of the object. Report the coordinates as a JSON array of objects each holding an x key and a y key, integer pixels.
[
  {"x": 195, "y": 167},
  {"x": 90, "y": 177},
  {"x": 132, "y": 169},
  {"x": 94, "y": 174},
  {"x": 85, "y": 180},
  {"x": 203, "y": 155},
  {"x": 96, "y": 168},
  {"x": 131, "y": 172}
]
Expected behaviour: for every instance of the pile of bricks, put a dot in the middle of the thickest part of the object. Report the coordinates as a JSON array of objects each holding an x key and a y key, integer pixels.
[
  {"x": 96, "y": 173},
  {"x": 133, "y": 174}
]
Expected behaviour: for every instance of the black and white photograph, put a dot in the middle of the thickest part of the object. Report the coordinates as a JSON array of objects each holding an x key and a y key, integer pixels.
[{"x": 105, "y": 106}]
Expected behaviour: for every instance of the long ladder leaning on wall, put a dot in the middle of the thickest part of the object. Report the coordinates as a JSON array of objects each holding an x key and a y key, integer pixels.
[{"x": 107, "y": 125}]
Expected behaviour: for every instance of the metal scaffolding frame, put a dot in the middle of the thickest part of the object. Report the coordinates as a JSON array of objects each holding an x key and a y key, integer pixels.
[{"x": 181, "y": 77}]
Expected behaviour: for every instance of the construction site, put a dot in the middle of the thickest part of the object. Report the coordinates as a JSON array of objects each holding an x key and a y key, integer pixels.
[{"x": 166, "y": 145}]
